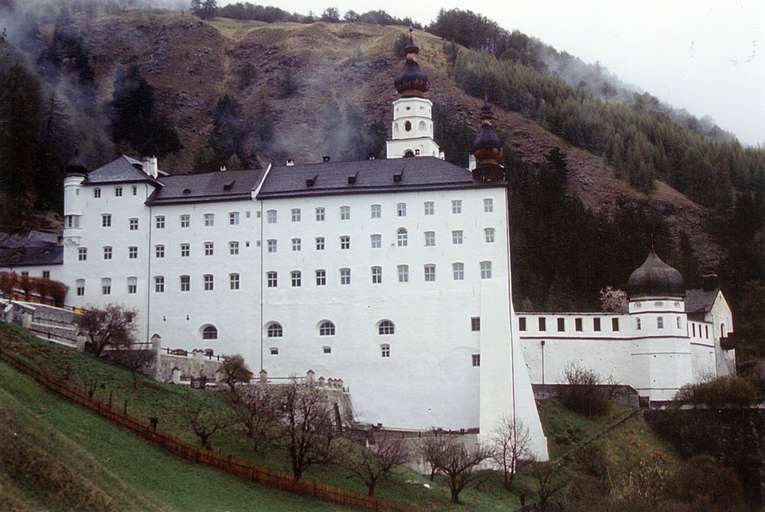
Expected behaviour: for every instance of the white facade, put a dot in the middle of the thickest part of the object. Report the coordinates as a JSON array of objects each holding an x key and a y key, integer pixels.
[{"x": 412, "y": 129}]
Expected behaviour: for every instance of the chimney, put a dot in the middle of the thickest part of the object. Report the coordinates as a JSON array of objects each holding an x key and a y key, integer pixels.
[
  {"x": 371, "y": 156},
  {"x": 223, "y": 168},
  {"x": 325, "y": 158},
  {"x": 710, "y": 282},
  {"x": 150, "y": 166},
  {"x": 290, "y": 162}
]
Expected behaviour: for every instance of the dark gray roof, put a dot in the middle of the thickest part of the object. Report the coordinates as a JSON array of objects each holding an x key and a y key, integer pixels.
[
  {"x": 211, "y": 186},
  {"x": 699, "y": 300},
  {"x": 29, "y": 256},
  {"x": 122, "y": 169},
  {"x": 32, "y": 238},
  {"x": 330, "y": 178}
]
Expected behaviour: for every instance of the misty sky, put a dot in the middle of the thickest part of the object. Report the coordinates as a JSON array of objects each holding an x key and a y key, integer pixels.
[{"x": 705, "y": 56}]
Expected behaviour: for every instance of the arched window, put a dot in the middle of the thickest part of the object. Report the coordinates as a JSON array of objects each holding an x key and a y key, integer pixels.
[
  {"x": 274, "y": 330},
  {"x": 209, "y": 332},
  {"x": 326, "y": 328},
  {"x": 408, "y": 153},
  {"x": 422, "y": 126},
  {"x": 402, "y": 237},
  {"x": 408, "y": 126},
  {"x": 385, "y": 327}
]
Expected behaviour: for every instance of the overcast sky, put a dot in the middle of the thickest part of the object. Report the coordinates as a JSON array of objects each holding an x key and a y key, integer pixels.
[{"x": 705, "y": 56}]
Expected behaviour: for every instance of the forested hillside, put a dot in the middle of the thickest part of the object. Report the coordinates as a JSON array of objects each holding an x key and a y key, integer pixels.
[{"x": 596, "y": 167}]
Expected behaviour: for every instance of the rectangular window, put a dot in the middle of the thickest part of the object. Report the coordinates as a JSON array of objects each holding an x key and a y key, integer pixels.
[
  {"x": 185, "y": 283},
  {"x": 82, "y": 253},
  {"x": 271, "y": 216},
  {"x": 233, "y": 248},
  {"x": 106, "y": 220},
  {"x": 135, "y": 190},
  {"x": 272, "y": 279},
  {"x": 321, "y": 277},
  {"x": 475, "y": 323},
  {"x": 159, "y": 222},
  {"x": 458, "y": 269},
  {"x": 271, "y": 245},
  {"x": 376, "y": 241},
  {"x": 80, "y": 285},
  {"x": 233, "y": 281},
  {"x": 430, "y": 208},
  {"x": 106, "y": 286},
  {"x": 706, "y": 331},
  {"x": 297, "y": 279},
  {"x": 185, "y": 221},
  {"x": 521, "y": 323},
  {"x": 296, "y": 244},
  {"x": 133, "y": 252},
  {"x": 133, "y": 224},
  {"x": 485, "y": 270},
  {"x": 376, "y": 211},
  {"x": 295, "y": 214},
  {"x": 376, "y": 275},
  {"x": 320, "y": 214},
  {"x": 96, "y": 193},
  {"x": 185, "y": 250},
  {"x": 345, "y": 213},
  {"x": 345, "y": 276},
  {"x": 233, "y": 218},
  {"x": 578, "y": 324},
  {"x": 107, "y": 253},
  {"x": 274, "y": 351},
  {"x": 209, "y": 248},
  {"x": 345, "y": 242},
  {"x": 159, "y": 251},
  {"x": 385, "y": 350},
  {"x": 326, "y": 350},
  {"x": 456, "y": 206},
  {"x": 401, "y": 209},
  {"x": 489, "y": 235},
  {"x": 159, "y": 284},
  {"x": 542, "y": 323},
  {"x": 403, "y": 273},
  {"x": 132, "y": 285},
  {"x": 209, "y": 219},
  {"x": 209, "y": 282},
  {"x": 488, "y": 205},
  {"x": 596, "y": 324},
  {"x": 660, "y": 322},
  {"x": 561, "y": 324},
  {"x": 117, "y": 191},
  {"x": 615, "y": 324},
  {"x": 430, "y": 272},
  {"x": 430, "y": 239},
  {"x": 457, "y": 237},
  {"x": 46, "y": 275},
  {"x": 476, "y": 359},
  {"x": 319, "y": 243}
]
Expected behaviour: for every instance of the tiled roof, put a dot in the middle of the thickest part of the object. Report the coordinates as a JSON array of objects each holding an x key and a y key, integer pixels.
[
  {"x": 32, "y": 238},
  {"x": 394, "y": 175},
  {"x": 211, "y": 186},
  {"x": 123, "y": 168},
  {"x": 27, "y": 256},
  {"x": 699, "y": 300}
]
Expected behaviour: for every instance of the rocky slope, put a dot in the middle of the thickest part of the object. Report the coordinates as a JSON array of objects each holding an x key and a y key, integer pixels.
[{"x": 191, "y": 63}]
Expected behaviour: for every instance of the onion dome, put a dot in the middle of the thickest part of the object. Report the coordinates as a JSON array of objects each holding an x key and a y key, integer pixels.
[
  {"x": 654, "y": 278},
  {"x": 487, "y": 149},
  {"x": 412, "y": 81},
  {"x": 75, "y": 165}
]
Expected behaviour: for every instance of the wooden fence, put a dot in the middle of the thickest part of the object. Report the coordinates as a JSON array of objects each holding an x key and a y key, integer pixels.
[{"x": 266, "y": 476}]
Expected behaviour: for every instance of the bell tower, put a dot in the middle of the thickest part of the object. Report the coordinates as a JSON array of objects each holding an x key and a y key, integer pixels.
[{"x": 412, "y": 129}]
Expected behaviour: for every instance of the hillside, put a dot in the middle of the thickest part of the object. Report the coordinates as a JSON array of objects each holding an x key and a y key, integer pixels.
[{"x": 192, "y": 63}]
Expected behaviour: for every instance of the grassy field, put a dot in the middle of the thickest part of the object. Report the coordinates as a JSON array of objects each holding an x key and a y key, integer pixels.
[{"x": 166, "y": 483}]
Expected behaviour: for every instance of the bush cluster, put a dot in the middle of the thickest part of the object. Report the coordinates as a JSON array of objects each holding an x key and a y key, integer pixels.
[{"x": 32, "y": 287}]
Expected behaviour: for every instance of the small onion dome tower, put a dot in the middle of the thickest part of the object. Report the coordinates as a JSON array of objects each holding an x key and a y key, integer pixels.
[
  {"x": 75, "y": 166},
  {"x": 654, "y": 278},
  {"x": 487, "y": 149},
  {"x": 412, "y": 82}
]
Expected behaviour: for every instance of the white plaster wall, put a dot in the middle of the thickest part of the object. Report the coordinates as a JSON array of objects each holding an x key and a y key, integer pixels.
[{"x": 418, "y": 111}]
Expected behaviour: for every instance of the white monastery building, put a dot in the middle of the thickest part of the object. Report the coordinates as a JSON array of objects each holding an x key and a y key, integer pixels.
[{"x": 392, "y": 274}]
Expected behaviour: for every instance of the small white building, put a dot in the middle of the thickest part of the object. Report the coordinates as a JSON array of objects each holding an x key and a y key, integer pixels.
[{"x": 392, "y": 274}]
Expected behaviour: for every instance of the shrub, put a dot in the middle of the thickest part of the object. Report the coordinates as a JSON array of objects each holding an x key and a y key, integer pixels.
[
  {"x": 708, "y": 486},
  {"x": 722, "y": 392},
  {"x": 583, "y": 394},
  {"x": 8, "y": 283}
]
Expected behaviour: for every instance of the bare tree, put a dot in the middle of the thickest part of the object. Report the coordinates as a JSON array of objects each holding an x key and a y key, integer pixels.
[
  {"x": 111, "y": 325},
  {"x": 584, "y": 393},
  {"x": 511, "y": 445},
  {"x": 430, "y": 449},
  {"x": 458, "y": 462},
  {"x": 374, "y": 463},
  {"x": 134, "y": 360},
  {"x": 256, "y": 408},
  {"x": 309, "y": 435},
  {"x": 234, "y": 370},
  {"x": 204, "y": 419},
  {"x": 549, "y": 478}
]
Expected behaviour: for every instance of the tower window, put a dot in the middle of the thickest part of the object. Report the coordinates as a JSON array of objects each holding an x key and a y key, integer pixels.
[
  {"x": 408, "y": 126},
  {"x": 660, "y": 322}
]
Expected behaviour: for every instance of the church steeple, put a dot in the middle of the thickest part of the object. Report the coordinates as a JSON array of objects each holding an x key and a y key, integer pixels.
[
  {"x": 412, "y": 127},
  {"x": 487, "y": 149}
]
